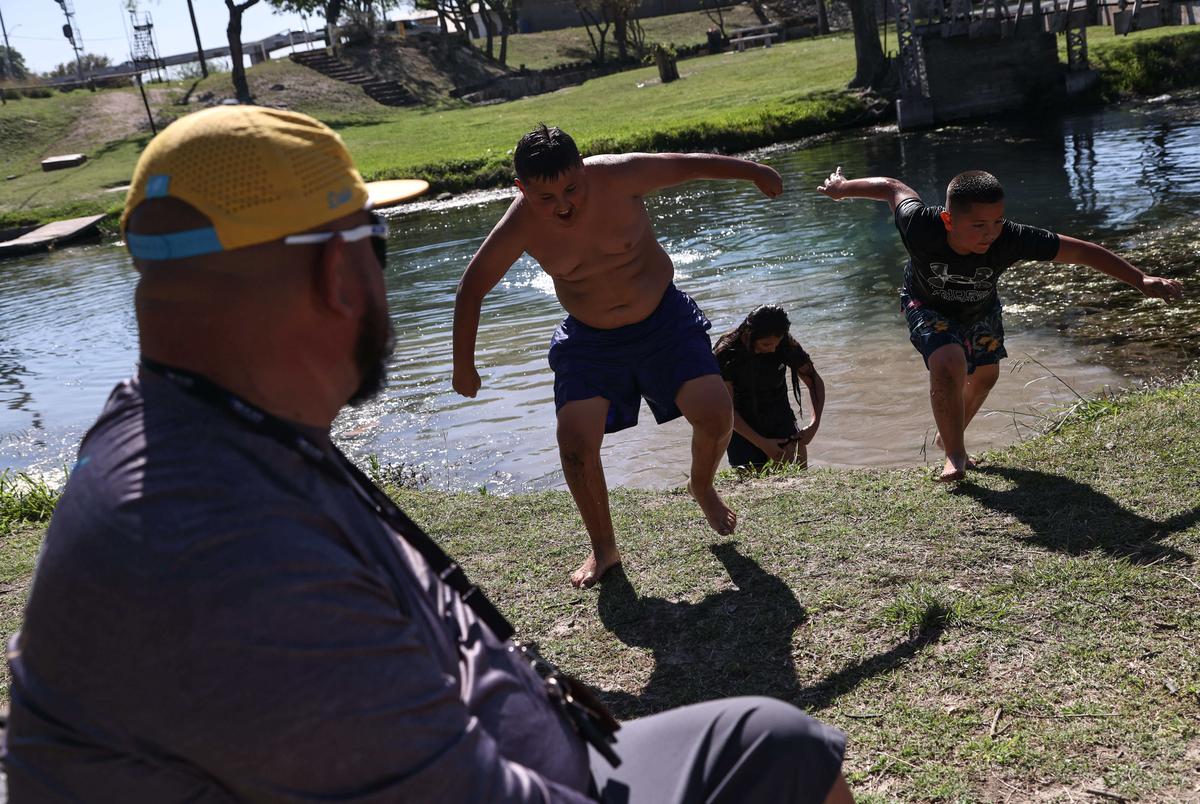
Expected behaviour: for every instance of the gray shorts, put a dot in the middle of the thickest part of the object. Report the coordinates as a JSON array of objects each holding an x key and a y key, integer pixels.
[{"x": 750, "y": 750}]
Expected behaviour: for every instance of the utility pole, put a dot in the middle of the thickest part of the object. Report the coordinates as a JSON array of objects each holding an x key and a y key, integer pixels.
[
  {"x": 8, "y": 71},
  {"x": 71, "y": 31},
  {"x": 7, "y": 58},
  {"x": 199, "y": 47},
  {"x": 7, "y": 51}
]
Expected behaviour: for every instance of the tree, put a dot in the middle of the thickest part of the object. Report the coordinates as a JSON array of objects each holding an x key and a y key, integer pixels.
[
  {"x": 759, "y": 11},
  {"x": 716, "y": 14},
  {"x": 91, "y": 63},
  {"x": 596, "y": 22},
  {"x": 871, "y": 66},
  {"x": 366, "y": 17},
  {"x": 329, "y": 10},
  {"x": 627, "y": 31},
  {"x": 234, "y": 31},
  {"x": 505, "y": 11},
  {"x": 621, "y": 16},
  {"x": 10, "y": 57}
]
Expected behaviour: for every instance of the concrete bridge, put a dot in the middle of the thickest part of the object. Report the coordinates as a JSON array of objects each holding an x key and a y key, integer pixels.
[
  {"x": 970, "y": 58},
  {"x": 258, "y": 51}
]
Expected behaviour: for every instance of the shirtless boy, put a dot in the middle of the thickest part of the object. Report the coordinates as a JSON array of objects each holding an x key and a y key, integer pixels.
[
  {"x": 629, "y": 332},
  {"x": 956, "y": 254}
]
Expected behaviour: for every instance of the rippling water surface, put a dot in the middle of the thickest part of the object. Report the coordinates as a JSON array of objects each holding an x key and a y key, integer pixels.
[{"x": 67, "y": 332}]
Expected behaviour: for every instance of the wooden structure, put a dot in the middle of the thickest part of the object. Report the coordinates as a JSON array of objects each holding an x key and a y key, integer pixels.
[
  {"x": 971, "y": 58},
  {"x": 30, "y": 239},
  {"x": 757, "y": 33},
  {"x": 1139, "y": 15},
  {"x": 63, "y": 161}
]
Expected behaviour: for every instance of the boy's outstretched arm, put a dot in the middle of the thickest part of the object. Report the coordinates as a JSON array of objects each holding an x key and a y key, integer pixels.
[
  {"x": 1081, "y": 252},
  {"x": 645, "y": 173},
  {"x": 876, "y": 188},
  {"x": 499, "y": 251}
]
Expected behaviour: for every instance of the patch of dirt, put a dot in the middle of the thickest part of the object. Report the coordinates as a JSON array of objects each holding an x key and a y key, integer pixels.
[
  {"x": 111, "y": 116},
  {"x": 429, "y": 66},
  {"x": 281, "y": 84}
]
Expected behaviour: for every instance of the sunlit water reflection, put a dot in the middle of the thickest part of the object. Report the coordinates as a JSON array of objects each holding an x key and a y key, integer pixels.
[{"x": 67, "y": 331}]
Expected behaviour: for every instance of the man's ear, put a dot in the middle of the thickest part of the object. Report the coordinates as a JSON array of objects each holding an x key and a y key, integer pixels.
[
  {"x": 332, "y": 281},
  {"x": 946, "y": 221},
  {"x": 520, "y": 186}
]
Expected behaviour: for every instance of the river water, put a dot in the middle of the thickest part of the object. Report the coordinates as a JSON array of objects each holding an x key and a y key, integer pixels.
[{"x": 1129, "y": 177}]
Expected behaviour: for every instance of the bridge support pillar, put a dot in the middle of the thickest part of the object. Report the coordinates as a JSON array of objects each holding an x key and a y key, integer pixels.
[{"x": 914, "y": 112}]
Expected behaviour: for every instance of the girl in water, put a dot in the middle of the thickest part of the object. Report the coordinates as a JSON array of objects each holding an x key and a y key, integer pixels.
[{"x": 755, "y": 359}]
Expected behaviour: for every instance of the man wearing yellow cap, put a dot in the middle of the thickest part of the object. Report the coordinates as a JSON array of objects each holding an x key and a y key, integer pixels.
[{"x": 226, "y": 609}]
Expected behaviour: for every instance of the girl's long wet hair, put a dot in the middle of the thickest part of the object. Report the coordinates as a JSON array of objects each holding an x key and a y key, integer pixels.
[{"x": 765, "y": 321}]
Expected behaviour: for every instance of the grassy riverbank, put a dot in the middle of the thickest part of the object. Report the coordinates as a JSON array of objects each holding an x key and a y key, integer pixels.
[
  {"x": 729, "y": 102},
  {"x": 1029, "y": 634}
]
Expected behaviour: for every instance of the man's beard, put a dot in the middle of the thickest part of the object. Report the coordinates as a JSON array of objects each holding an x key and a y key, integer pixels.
[{"x": 376, "y": 341}]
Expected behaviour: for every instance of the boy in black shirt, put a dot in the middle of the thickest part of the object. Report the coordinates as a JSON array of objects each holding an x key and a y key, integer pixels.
[{"x": 956, "y": 254}]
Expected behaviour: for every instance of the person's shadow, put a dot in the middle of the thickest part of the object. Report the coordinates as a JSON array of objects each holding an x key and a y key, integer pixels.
[
  {"x": 737, "y": 641},
  {"x": 1073, "y": 518}
]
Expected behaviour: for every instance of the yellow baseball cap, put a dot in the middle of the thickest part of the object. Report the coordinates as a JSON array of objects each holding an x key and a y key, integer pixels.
[{"x": 258, "y": 174}]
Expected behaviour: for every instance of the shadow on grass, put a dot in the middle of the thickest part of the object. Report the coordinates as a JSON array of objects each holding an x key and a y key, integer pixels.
[
  {"x": 1072, "y": 517},
  {"x": 734, "y": 642}
]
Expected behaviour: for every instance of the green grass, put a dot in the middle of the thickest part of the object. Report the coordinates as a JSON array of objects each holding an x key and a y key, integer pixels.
[
  {"x": 1145, "y": 62},
  {"x": 717, "y": 95},
  {"x": 1057, "y": 587},
  {"x": 538, "y": 51},
  {"x": 1027, "y": 634},
  {"x": 24, "y": 500},
  {"x": 727, "y": 102}
]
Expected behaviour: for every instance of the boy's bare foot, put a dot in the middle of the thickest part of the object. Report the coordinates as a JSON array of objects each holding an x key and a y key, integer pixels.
[
  {"x": 955, "y": 468},
  {"x": 937, "y": 440},
  {"x": 592, "y": 571},
  {"x": 720, "y": 516}
]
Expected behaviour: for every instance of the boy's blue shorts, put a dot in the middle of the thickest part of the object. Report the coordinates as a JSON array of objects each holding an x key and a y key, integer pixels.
[
  {"x": 650, "y": 359},
  {"x": 929, "y": 330}
]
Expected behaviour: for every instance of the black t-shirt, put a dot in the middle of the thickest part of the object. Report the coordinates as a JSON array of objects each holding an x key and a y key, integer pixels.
[
  {"x": 962, "y": 286},
  {"x": 760, "y": 386}
]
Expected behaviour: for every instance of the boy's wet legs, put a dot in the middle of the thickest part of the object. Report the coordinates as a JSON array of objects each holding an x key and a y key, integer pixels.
[
  {"x": 705, "y": 403},
  {"x": 979, "y": 384},
  {"x": 947, "y": 379},
  {"x": 580, "y": 433}
]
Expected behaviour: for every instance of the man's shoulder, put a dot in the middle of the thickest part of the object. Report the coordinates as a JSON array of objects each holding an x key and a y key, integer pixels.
[
  {"x": 609, "y": 169},
  {"x": 155, "y": 454},
  {"x": 607, "y": 162}
]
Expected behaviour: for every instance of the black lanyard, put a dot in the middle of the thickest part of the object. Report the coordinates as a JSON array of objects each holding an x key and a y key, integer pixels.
[{"x": 339, "y": 467}]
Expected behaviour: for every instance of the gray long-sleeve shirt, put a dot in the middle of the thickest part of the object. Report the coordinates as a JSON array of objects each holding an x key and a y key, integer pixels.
[{"x": 212, "y": 618}]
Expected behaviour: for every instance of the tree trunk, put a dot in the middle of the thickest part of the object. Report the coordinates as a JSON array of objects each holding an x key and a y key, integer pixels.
[
  {"x": 506, "y": 26},
  {"x": 668, "y": 71},
  {"x": 234, "y": 32},
  {"x": 333, "y": 11},
  {"x": 822, "y": 18},
  {"x": 485, "y": 14},
  {"x": 760, "y": 12},
  {"x": 621, "y": 37},
  {"x": 868, "y": 53}
]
